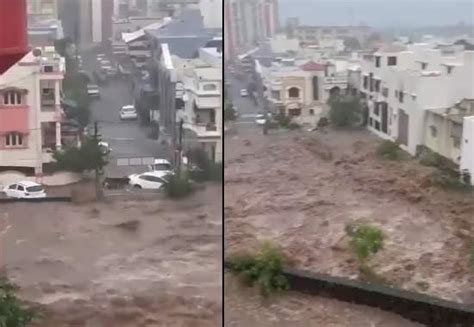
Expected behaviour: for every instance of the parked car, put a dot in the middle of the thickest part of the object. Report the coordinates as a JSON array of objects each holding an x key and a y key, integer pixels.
[
  {"x": 25, "y": 190},
  {"x": 128, "y": 112},
  {"x": 244, "y": 93},
  {"x": 260, "y": 119},
  {"x": 162, "y": 165},
  {"x": 152, "y": 180},
  {"x": 93, "y": 90}
]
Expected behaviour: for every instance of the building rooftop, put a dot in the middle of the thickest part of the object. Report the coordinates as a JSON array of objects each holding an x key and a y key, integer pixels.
[
  {"x": 312, "y": 66},
  {"x": 184, "y": 34}
]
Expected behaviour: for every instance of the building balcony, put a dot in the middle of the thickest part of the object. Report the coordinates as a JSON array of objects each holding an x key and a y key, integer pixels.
[
  {"x": 52, "y": 113},
  {"x": 203, "y": 129},
  {"x": 335, "y": 80}
]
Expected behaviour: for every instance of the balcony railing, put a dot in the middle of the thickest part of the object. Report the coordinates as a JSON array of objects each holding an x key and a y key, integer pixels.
[{"x": 336, "y": 80}]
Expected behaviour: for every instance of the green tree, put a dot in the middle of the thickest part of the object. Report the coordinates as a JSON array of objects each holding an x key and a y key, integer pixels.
[
  {"x": 345, "y": 111},
  {"x": 87, "y": 157},
  {"x": 12, "y": 311},
  {"x": 265, "y": 269},
  {"x": 75, "y": 88},
  {"x": 229, "y": 112},
  {"x": 352, "y": 43}
]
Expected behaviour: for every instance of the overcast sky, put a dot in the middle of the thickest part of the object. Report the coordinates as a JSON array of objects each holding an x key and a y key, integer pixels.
[{"x": 379, "y": 13}]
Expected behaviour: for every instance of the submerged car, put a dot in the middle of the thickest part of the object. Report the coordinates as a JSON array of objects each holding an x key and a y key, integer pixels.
[
  {"x": 152, "y": 180},
  {"x": 25, "y": 190}
]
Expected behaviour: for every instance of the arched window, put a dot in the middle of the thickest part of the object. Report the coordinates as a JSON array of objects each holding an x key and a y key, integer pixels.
[
  {"x": 12, "y": 98},
  {"x": 14, "y": 139},
  {"x": 294, "y": 92}
]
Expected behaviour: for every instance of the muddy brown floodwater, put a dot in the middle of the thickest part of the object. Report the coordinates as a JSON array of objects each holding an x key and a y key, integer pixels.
[
  {"x": 299, "y": 189},
  {"x": 122, "y": 263}
]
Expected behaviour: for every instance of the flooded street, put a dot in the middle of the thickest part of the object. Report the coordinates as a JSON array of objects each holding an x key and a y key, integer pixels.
[
  {"x": 123, "y": 263},
  {"x": 300, "y": 189}
]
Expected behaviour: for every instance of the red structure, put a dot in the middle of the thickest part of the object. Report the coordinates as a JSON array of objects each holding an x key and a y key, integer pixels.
[{"x": 13, "y": 32}]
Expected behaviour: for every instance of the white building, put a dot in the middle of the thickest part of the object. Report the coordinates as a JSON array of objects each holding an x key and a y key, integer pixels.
[
  {"x": 201, "y": 81},
  {"x": 248, "y": 22},
  {"x": 211, "y": 12},
  {"x": 31, "y": 113},
  {"x": 400, "y": 85},
  {"x": 467, "y": 147}
]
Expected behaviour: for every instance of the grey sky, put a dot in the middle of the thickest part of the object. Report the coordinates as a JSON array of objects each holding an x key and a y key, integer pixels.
[{"x": 379, "y": 13}]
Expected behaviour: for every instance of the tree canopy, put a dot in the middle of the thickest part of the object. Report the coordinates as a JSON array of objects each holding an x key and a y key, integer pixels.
[
  {"x": 88, "y": 157},
  {"x": 345, "y": 111}
]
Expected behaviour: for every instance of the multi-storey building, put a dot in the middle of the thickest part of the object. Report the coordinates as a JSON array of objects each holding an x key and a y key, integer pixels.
[
  {"x": 247, "y": 23},
  {"x": 300, "y": 89},
  {"x": 30, "y": 111},
  {"x": 401, "y": 85},
  {"x": 43, "y": 9},
  {"x": 314, "y": 34}
]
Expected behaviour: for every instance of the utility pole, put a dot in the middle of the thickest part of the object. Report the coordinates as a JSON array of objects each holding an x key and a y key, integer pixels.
[
  {"x": 180, "y": 146},
  {"x": 261, "y": 99},
  {"x": 98, "y": 192}
]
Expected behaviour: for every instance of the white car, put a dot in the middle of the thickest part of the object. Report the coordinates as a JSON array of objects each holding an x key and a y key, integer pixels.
[
  {"x": 244, "y": 93},
  {"x": 128, "y": 112},
  {"x": 162, "y": 165},
  {"x": 93, "y": 90},
  {"x": 260, "y": 119},
  {"x": 25, "y": 190},
  {"x": 152, "y": 180}
]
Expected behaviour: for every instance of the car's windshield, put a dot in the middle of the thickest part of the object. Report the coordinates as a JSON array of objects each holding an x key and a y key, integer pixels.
[{"x": 36, "y": 188}]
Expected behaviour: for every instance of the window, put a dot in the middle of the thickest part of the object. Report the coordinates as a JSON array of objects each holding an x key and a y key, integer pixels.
[
  {"x": 400, "y": 97},
  {"x": 311, "y": 112},
  {"x": 376, "y": 109},
  {"x": 371, "y": 121},
  {"x": 377, "y": 86},
  {"x": 12, "y": 187},
  {"x": 276, "y": 95},
  {"x": 366, "y": 82},
  {"x": 315, "y": 88},
  {"x": 48, "y": 69},
  {"x": 21, "y": 188},
  {"x": 449, "y": 69},
  {"x": 391, "y": 61},
  {"x": 209, "y": 87},
  {"x": 433, "y": 131},
  {"x": 424, "y": 65},
  {"x": 294, "y": 92},
  {"x": 385, "y": 92},
  {"x": 13, "y": 139},
  {"x": 12, "y": 98},
  {"x": 377, "y": 61}
]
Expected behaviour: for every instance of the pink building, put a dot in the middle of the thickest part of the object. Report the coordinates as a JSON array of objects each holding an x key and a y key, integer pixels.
[{"x": 30, "y": 111}]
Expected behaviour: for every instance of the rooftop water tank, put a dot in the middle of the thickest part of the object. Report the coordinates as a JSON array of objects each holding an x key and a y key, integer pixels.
[{"x": 13, "y": 32}]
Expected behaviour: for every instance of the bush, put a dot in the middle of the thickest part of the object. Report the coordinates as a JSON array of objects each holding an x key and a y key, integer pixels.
[
  {"x": 264, "y": 269},
  {"x": 365, "y": 241},
  {"x": 389, "y": 150},
  {"x": 283, "y": 120},
  {"x": 449, "y": 181},
  {"x": 344, "y": 111},
  {"x": 178, "y": 186},
  {"x": 229, "y": 112},
  {"x": 12, "y": 311},
  {"x": 206, "y": 169}
]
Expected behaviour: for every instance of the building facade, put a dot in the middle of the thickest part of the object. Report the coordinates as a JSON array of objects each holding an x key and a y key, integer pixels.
[
  {"x": 247, "y": 23},
  {"x": 30, "y": 111}
]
